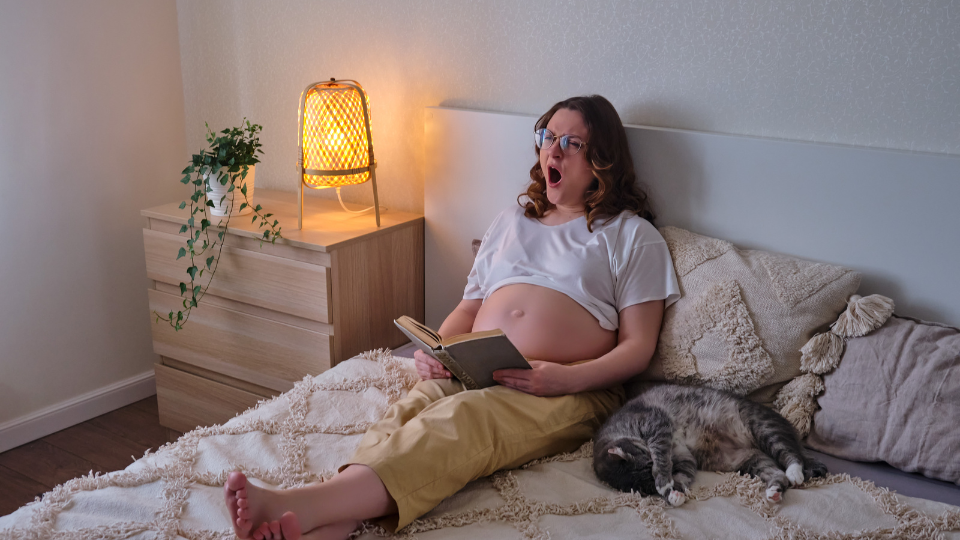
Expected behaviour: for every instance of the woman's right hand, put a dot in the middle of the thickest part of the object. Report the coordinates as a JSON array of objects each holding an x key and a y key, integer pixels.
[{"x": 428, "y": 368}]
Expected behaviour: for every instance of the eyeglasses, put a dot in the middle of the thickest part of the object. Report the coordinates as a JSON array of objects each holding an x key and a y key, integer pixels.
[{"x": 570, "y": 144}]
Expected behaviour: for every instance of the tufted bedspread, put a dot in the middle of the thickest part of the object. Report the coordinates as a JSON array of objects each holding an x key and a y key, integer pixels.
[{"x": 304, "y": 434}]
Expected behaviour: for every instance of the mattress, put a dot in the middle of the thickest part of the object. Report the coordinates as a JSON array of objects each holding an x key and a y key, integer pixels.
[{"x": 303, "y": 435}]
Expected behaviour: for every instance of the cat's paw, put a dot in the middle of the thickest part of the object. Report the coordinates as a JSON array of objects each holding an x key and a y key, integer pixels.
[
  {"x": 665, "y": 489},
  {"x": 795, "y": 474},
  {"x": 813, "y": 468},
  {"x": 676, "y": 498},
  {"x": 774, "y": 494}
]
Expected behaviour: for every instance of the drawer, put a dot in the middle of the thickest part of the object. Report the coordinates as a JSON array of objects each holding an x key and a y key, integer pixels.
[
  {"x": 187, "y": 401},
  {"x": 276, "y": 283},
  {"x": 243, "y": 346}
]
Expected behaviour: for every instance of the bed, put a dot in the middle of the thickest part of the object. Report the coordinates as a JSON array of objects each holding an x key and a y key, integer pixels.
[{"x": 697, "y": 181}]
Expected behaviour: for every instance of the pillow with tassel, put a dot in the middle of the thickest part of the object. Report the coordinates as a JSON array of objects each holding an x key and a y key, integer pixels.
[
  {"x": 743, "y": 318},
  {"x": 797, "y": 401},
  {"x": 894, "y": 397}
]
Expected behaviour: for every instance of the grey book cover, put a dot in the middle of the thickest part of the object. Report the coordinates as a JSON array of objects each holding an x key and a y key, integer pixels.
[{"x": 473, "y": 360}]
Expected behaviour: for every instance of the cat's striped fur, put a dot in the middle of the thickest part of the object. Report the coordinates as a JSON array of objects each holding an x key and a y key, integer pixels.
[{"x": 658, "y": 440}]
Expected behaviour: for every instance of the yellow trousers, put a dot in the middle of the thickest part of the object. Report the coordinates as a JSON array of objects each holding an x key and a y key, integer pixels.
[{"x": 440, "y": 437}]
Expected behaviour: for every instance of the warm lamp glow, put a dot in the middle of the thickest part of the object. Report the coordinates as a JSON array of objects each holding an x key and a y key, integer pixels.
[{"x": 335, "y": 145}]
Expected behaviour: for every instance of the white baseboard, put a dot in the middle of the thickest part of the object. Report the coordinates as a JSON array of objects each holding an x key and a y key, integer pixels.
[{"x": 73, "y": 411}]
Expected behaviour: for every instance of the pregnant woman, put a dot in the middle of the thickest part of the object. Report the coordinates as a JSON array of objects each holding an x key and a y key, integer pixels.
[{"x": 576, "y": 276}]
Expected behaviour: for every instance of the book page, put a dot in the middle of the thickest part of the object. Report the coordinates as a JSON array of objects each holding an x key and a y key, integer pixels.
[
  {"x": 424, "y": 334},
  {"x": 460, "y": 338}
]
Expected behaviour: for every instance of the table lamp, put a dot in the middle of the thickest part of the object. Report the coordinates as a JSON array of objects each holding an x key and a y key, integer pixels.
[{"x": 335, "y": 145}]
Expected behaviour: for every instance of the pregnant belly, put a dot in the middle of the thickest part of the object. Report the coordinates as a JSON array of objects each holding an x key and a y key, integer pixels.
[{"x": 545, "y": 324}]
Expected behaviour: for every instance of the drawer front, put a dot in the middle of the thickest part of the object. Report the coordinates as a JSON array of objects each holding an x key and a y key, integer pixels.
[
  {"x": 257, "y": 350},
  {"x": 276, "y": 283},
  {"x": 187, "y": 402}
]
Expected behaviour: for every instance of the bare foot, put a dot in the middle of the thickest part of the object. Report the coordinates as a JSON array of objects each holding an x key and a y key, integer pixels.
[
  {"x": 335, "y": 531},
  {"x": 267, "y": 530},
  {"x": 250, "y": 505},
  {"x": 233, "y": 491},
  {"x": 286, "y": 528}
]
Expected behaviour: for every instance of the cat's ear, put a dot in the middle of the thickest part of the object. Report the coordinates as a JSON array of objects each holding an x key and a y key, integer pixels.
[{"x": 617, "y": 451}]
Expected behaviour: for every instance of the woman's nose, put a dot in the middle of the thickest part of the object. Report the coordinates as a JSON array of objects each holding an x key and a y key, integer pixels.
[{"x": 555, "y": 150}]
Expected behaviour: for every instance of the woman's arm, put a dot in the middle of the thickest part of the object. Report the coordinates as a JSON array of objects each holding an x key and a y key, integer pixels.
[
  {"x": 460, "y": 321},
  {"x": 636, "y": 341}
]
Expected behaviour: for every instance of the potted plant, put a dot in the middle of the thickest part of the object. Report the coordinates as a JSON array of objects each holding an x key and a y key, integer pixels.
[{"x": 217, "y": 174}]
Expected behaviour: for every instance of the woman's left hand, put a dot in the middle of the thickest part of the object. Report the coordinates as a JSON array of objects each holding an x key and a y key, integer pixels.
[{"x": 545, "y": 379}]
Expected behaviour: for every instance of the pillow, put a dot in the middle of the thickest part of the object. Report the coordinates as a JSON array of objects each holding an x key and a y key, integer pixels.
[
  {"x": 744, "y": 316},
  {"x": 895, "y": 397}
]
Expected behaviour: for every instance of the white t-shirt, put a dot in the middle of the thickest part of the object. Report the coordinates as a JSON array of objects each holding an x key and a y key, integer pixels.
[{"x": 623, "y": 262}]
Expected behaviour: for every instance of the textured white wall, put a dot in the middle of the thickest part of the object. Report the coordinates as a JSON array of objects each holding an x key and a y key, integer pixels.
[
  {"x": 91, "y": 131},
  {"x": 870, "y": 73}
]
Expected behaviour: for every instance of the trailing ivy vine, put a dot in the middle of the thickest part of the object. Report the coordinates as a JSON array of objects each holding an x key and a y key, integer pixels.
[{"x": 227, "y": 160}]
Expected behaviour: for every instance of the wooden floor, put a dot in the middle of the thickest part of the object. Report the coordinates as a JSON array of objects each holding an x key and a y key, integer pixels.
[{"x": 106, "y": 443}]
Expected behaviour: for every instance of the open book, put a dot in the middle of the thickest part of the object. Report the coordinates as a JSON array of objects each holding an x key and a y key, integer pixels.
[{"x": 471, "y": 358}]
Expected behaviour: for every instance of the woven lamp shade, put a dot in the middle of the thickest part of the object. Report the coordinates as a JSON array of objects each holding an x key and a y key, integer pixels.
[{"x": 335, "y": 145}]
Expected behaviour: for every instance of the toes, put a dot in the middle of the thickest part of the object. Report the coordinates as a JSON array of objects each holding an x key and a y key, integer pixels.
[
  {"x": 795, "y": 474},
  {"x": 236, "y": 481},
  {"x": 242, "y": 528},
  {"x": 263, "y": 532},
  {"x": 774, "y": 494},
  {"x": 664, "y": 489},
  {"x": 275, "y": 529},
  {"x": 237, "y": 504},
  {"x": 290, "y": 526},
  {"x": 676, "y": 498}
]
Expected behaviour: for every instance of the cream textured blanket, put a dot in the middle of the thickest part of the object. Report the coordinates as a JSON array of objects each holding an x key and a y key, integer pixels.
[{"x": 304, "y": 434}]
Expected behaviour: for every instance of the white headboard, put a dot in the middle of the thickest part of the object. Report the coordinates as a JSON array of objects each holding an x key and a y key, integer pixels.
[{"x": 894, "y": 216}]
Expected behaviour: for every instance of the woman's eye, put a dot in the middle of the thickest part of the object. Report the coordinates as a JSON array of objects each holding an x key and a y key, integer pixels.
[{"x": 573, "y": 144}]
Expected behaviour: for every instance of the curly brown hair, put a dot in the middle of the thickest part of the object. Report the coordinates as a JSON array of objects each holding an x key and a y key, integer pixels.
[{"x": 614, "y": 188}]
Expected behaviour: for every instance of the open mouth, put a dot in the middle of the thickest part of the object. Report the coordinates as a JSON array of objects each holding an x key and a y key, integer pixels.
[{"x": 553, "y": 176}]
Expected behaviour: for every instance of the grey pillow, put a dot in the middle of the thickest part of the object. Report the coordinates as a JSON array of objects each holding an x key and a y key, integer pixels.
[{"x": 896, "y": 398}]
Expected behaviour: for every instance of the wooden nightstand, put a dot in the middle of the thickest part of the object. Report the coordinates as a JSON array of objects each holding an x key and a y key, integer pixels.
[{"x": 278, "y": 312}]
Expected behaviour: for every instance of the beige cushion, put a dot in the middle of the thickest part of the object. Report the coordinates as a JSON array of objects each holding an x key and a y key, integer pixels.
[
  {"x": 895, "y": 397},
  {"x": 744, "y": 315}
]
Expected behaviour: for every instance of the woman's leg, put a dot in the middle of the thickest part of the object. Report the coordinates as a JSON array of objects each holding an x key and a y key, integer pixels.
[
  {"x": 417, "y": 458},
  {"x": 473, "y": 434},
  {"x": 352, "y": 496}
]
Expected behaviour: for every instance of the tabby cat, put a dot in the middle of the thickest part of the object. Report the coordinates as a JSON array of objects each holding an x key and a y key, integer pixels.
[{"x": 658, "y": 440}]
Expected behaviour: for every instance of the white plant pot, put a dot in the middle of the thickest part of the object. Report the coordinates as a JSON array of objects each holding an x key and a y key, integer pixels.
[{"x": 231, "y": 204}]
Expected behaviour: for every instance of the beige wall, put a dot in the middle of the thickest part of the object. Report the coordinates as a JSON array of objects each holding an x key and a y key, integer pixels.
[
  {"x": 91, "y": 131},
  {"x": 93, "y": 97},
  {"x": 884, "y": 74}
]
